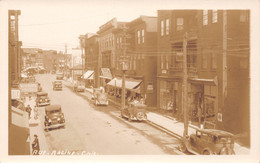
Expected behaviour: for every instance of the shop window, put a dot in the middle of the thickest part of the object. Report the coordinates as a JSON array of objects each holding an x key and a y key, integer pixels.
[
  {"x": 205, "y": 17},
  {"x": 180, "y": 24},
  {"x": 214, "y": 16},
  {"x": 161, "y": 61},
  {"x": 167, "y": 27}
]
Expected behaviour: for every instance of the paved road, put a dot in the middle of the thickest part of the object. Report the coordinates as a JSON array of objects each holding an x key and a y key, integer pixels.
[{"x": 99, "y": 130}]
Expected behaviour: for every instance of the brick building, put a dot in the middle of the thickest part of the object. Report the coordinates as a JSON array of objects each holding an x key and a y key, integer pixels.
[
  {"x": 141, "y": 40},
  {"x": 217, "y": 61}
]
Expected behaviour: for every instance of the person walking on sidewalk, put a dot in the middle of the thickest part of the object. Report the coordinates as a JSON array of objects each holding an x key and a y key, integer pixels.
[
  {"x": 35, "y": 145},
  {"x": 29, "y": 110}
]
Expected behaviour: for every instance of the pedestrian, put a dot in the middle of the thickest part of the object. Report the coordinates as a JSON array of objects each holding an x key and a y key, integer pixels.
[
  {"x": 29, "y": 110},
  {"x": 35, "y": 145}
]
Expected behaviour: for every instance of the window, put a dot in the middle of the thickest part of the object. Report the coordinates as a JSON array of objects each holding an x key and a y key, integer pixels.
[
  {"x": 214, "y": 16},
  {"x": 205, "y": 17},
  {"x": 142, "y": 35},
  {"x": 244, "y": 16},
  {"x": 117, "y": 42},
  {"x": 162, "y": 28},
  {"x": 205, "y": 58},
  {"x": 214, "y": 58},
  {"x": 167, "y": 26},
  {"x": 167, "y": 61},
  {"x": 161, "y": 61},
  {"x": 179, "y": 24},
  {"x": 134, "y": 65},
  {"x": 138, "y": 37}
]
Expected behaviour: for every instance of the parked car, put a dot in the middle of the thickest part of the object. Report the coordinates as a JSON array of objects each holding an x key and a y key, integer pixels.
[
  {"x": 42, "y": 99},
  {"x": 59, "y": 76},
  {"x": 54, "y": 118},
  {"x": 209, "y": 142},
  {"x": 99, "y": 96},
  {"x": 57, "y": 85},
  {"x": 79, "y": 86},
  {"x": 135, "y": 110}
]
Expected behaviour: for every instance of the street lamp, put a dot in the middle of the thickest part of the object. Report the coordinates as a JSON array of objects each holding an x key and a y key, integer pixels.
[{"x": 124, "y": 69}]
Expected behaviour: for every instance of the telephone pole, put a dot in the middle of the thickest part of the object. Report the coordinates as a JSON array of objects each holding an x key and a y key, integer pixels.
[
  {"x": 124, "y": 68},
  {"x": 184, "y": 86}
]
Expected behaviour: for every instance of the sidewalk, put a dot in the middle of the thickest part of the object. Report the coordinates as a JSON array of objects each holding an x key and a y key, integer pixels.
[
  {"x": 175, "y": 126},
  {"x": 36, "y": 127}
]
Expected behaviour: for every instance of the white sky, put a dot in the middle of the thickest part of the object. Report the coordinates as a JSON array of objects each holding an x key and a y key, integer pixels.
[{"x": 50, "y": 24}]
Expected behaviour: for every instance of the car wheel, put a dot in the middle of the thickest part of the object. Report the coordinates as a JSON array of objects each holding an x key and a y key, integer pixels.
[
  {"x": 206, "y": 152},
  {"x": 140, "y": 116},
  {"x": 183, "y": 147}
]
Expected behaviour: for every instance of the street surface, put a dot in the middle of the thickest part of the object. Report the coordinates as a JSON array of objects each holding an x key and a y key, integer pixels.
[{"x": 100, "y": 130}]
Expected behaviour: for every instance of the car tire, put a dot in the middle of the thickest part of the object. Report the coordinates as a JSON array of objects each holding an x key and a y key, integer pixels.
[
  {"x": 140, "y": 116},
  {"x": 183, "y": 147},
  {"x": 207, "y": 152}
]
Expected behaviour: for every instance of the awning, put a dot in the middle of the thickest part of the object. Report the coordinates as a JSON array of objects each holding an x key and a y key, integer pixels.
[
  {"x": 89, "y": 74},
  {"x": 129, "y": 83},
  {"x": 23, "y": 75},
  {"x": 205, "y": 81},
  {"x": 105, "y": 73}
]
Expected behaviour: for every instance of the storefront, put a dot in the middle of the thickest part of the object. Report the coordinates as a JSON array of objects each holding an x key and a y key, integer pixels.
[
  {"x": 170, "y": 96},
  {"x": 132, "y": 87},
  {"x": 89, "y": 78},
  {"x": 105, "y": 76},
  {"x": 203, "y": 95}
]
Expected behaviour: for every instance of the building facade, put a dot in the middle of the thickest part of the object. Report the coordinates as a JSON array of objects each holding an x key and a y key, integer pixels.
[
  {"x": 217, "y": 46},
  {"x": 138, "y": 52}
]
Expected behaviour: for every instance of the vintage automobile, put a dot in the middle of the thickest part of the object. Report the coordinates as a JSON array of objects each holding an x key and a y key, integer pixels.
[
  {"x": 135, "y": 110},
  {"x": 209, "y": 142},
  {"x": 59, "y": 76},
  {"x": 42, "y": 99},
  {"x": 79, "y": 86},
  {"x": 57, "y": 85},
  {"x": 54, "y": 118},
  {"x": 100, "y": 97}
]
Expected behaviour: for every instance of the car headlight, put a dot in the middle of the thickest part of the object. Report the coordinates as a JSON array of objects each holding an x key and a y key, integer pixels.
[
  {"x": 49, "y": 120},
  {"x": 58, "y": 119}
]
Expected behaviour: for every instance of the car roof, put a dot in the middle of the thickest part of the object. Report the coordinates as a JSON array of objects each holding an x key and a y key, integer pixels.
[
  {"x": 215, "y": 132},
  {"x": 42, "y": 93},
  {"x": 53, "y": 107}
]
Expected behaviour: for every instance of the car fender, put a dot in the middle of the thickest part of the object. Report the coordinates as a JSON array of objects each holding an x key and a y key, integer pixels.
[{"x": 207, "y": 149}]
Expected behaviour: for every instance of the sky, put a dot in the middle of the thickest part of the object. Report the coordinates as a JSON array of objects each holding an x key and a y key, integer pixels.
[{"x": 50, "y": 24}]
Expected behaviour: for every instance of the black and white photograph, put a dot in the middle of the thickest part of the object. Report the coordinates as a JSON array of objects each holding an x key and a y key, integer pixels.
[{"x": 131, "y": 80}]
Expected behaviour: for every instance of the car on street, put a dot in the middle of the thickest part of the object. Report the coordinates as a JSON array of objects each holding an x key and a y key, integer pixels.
[
  {"x": 42, "y": 99},
  {"x": 135, "y": 110},
  {"x": 59, "y": 76},
  {"x": 54, "y": 118},
  {"x": 57, "y": 85},
  {"x": 79, "y": 86},
  {"x": 209, "y": 142},
  {"x": 100, "y": 97}
]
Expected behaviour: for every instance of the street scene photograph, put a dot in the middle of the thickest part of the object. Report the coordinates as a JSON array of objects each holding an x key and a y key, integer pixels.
[{"x": 134, "y": 77}]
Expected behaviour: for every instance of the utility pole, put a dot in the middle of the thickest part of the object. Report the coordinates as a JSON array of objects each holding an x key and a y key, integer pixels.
[
  {"x": 184, "y": 87},
  {"x": 124, "y": 68}
]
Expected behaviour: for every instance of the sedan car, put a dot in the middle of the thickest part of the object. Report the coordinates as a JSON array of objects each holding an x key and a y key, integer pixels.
[
  {"x": 54, "y": 118},
  {"x": 42, "y": 99},
  {"x": 209, "y": 142},
  {"x": 57, "y": 85},
  {"x": 135, "y": 110}
]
